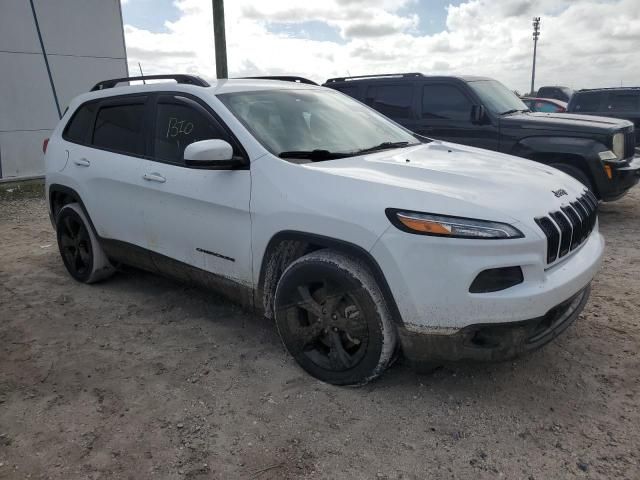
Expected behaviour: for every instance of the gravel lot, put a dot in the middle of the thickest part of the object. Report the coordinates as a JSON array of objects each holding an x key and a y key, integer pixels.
[{"x": 141, "y": 377}]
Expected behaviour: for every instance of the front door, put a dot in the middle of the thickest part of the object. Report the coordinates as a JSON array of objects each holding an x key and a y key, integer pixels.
[
  {"x": 446, "y": 115},
  {"x": 197, "y": 216}
]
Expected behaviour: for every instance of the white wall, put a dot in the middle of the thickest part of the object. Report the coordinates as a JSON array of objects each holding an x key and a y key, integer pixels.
[{"x": 84, "y": 42}]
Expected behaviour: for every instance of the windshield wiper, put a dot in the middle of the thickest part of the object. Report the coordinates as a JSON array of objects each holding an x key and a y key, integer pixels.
[
  {"x": 313, "y": 155},
  {"x": 319, "y": 155},
  {"x": 515, "y": 110},
  {"x": 384, "y": 146}
]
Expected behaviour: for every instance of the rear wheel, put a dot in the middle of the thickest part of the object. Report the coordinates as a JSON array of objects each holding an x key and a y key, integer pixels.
[
  {"x": 333, "y": 319},
  {"x": 79, "y": 248},
  {"x": 575, "y": 172}
]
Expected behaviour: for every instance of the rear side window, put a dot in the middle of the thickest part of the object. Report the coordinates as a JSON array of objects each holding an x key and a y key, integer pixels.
[
  {"x": 180, "y": 122},
  {"x": 350, "y": 90},
  {"x": 623, "y": 102},
  {"x": 79, "y": 127},
  {"x": 445, "y": 102},
  {"x": 586, "y": 102},
  {"x": 391, "y": 100},
  {"x": 119, "y": 128}
]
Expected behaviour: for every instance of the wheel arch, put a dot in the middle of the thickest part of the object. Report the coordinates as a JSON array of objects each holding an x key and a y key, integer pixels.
[
  {"x": 287, "y": 246},
  {"x": 580, "y": 153},
  {"x": 61, "y": 195}
]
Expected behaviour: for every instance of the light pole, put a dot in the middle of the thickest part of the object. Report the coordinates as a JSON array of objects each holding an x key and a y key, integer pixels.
[
  {"x": 536, "y": 34},
  {"x": 220, "y": 39}
]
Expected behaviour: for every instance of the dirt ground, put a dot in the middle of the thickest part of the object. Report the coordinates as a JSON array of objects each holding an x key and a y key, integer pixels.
[{"x": 141, "y": 377}]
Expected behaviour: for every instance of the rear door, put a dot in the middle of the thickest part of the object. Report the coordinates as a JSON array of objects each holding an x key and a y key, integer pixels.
[
  {"x": 445, "y": 114},
  {"x": 197, "y": 216},
  {"x": 107, "y": 166}
]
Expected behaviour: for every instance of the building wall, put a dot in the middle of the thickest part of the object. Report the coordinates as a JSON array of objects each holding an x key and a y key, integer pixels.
[{"x": 84, "y": 43}]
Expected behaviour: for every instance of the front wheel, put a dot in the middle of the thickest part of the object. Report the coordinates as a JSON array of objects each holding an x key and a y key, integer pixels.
[
  {"x": 333, "y": 319},
  {"x": 79, "y": 248}
]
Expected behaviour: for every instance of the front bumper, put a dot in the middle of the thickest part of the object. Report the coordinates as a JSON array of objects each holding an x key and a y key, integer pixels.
[
  {"x": 494, "y": 341},
  {"x": 430, "y": 278},
  {"x": 624, "y": 176}
]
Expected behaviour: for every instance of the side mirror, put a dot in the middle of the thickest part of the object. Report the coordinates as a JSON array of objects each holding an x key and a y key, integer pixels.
[
  {"x": 478, "y": 114},
  {"x": 210, "y": 153}
]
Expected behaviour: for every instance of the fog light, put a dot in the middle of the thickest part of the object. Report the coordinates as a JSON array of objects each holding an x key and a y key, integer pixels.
[{"x": 496, "y": 279}]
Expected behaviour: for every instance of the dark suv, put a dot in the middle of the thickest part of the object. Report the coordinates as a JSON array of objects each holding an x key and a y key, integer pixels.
[
  {"x": 609, "y": 102},
  {"x": 481, "y": 112}
]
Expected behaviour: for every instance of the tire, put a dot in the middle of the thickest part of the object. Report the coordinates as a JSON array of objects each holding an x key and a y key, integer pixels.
[
  {"x": 79, "y": 248},
  {"x": 333, "y": 320},
  {"x": 575, "y": 173}
]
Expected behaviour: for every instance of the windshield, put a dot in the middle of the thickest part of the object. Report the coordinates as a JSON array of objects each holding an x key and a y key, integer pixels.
[
  {"x": 497, "y": 98},
  {"x": 288, "y": 121}
]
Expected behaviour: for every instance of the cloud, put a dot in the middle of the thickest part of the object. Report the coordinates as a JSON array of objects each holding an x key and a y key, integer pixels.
[{"x": 583, "y": 43}]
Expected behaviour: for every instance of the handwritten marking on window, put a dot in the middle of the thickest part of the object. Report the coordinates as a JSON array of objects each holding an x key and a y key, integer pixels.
[{"x": 178, "y": 127}]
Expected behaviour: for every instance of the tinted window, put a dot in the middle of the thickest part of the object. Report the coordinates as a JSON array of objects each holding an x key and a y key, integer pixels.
[
  {"x": 391, "y": 100},
  {"x": 586, "y": 102},
  {"x": 119, "y": 128},
  {"x": 445, "y": 101},
  {"x": 179, "y": 124},
  {"x": 623, "y": 102},
  {"x": 79, "y": 126},
  {"x": 350, "y": 90}
]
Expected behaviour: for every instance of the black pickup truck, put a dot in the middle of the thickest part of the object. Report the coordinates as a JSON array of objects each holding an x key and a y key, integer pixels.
[{"x": 481, "y": 112}]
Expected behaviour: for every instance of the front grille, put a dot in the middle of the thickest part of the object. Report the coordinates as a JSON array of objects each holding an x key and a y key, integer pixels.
[
  {"x": 630, "y": 144},
  {"x": 569, "y": 227}
]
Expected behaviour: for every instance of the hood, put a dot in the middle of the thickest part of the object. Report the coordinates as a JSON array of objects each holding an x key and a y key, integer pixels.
[
  {"x": 564, "y": 122},
  {"x": 451, "y": 179}
]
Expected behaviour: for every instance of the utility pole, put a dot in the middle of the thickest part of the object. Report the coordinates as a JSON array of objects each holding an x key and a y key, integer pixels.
[
  {"x": 220, "y": 41},
  {"x": 536, "y": 34}
]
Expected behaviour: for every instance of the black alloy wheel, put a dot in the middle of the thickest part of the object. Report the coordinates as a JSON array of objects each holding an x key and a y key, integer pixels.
[
  {"x": 328, "y": 325},
  {"x": 333, "y": 319},
  {"x": 75, "y": 246}
]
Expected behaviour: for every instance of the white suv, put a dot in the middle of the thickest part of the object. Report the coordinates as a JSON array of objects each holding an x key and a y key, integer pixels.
[{"x": 358, "y": 237}]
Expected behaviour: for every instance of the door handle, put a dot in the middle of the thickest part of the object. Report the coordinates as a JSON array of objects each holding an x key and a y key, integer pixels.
[
  {"x": 154, "y": 177},
  {"x": 82, "y": 162}
]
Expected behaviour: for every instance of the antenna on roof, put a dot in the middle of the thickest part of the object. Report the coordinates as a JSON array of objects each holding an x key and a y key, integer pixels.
[{"x": 141, "y": 74}]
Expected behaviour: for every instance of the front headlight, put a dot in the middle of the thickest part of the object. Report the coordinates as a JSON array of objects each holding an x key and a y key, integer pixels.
[
  {"x": 618, "y": 145},
  {"x": 449, "y": 226}
]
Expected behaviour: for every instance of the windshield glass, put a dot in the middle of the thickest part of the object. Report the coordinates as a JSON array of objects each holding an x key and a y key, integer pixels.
[
  {"x": 308, "y": 120},
  {"x": 496, "y": 97}
]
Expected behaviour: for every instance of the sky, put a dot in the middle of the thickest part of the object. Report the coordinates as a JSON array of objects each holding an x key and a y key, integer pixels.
[{"x": 583, "y": 43}]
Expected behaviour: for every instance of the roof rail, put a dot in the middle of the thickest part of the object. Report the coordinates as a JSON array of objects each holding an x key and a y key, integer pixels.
[
  {"x": 284, "y": 78},
  {"x": 382, "y": 75},
  {"x": 608, "y": 88},
  {"x": 179, "y": 78}
]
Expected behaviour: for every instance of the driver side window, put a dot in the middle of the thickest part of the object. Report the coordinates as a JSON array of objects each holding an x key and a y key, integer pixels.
[
  {"x": 180, "y": 122},
  {"x": 445, "y": 102}
]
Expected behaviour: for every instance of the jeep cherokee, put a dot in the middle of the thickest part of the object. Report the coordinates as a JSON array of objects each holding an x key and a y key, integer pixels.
[{"x": 360, "y": 239}]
